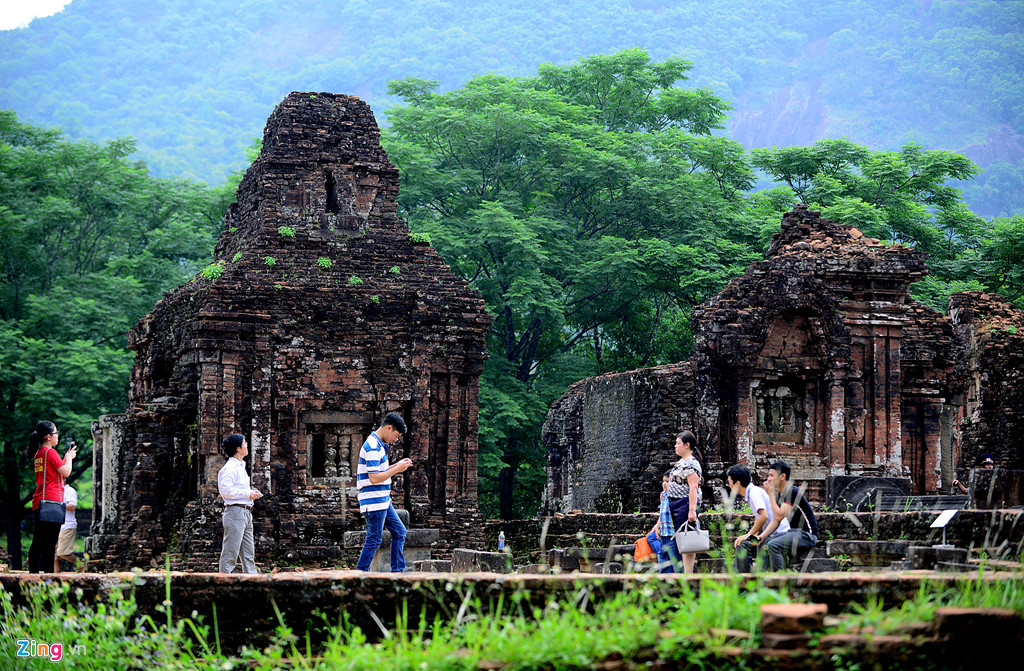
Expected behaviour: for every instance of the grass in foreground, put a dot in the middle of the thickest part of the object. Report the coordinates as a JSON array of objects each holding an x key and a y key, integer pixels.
[{"x": 571, "y": 633}]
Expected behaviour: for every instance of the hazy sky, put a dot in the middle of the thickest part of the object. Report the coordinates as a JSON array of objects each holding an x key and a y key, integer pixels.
[{"x": 17, "y": 13}]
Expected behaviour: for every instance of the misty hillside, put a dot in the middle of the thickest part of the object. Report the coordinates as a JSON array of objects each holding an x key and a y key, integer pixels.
[{"x": 194, "y": 81}]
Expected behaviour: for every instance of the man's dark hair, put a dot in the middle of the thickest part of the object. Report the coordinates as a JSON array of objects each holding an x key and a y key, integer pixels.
[
  {"x": 395, "y": 421},
  {"x": 739, "y": 473},
  {"x": 232, "y": 444},
  {"x": 782, "y": 468}
]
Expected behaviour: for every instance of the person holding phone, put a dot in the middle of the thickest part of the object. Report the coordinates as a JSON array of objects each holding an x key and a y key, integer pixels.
[{"x": 50, "y": 469}]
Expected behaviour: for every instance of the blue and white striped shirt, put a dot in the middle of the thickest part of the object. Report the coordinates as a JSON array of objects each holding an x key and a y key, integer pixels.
[{"x": 373, "y": 458}]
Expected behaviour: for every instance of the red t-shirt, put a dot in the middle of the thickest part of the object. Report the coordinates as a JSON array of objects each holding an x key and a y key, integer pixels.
[{"x": 54, "y": 481}]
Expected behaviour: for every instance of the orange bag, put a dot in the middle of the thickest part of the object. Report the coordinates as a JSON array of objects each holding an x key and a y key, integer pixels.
[{"x": 642, "y": 550}]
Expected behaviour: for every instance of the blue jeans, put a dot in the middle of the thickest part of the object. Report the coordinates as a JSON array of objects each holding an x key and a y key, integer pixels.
[
  {"x": 376, "y": 522},
  {"x": 655, "y": 542},
  {"x": 668, "y": 556}
]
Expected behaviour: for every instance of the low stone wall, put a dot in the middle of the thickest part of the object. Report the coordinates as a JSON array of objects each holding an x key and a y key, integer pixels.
[{"x": 246, "y": 604}]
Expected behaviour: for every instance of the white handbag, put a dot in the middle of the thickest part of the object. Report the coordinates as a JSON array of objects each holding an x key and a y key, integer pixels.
[{"x": 692, "y": 539}]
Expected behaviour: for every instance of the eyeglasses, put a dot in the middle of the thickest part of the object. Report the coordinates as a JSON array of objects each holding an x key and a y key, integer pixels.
[{"x": 54, "y": 433}]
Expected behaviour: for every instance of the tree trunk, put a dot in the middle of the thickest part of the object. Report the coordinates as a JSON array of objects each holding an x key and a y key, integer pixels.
[
  {"x": 12, "y": 503},
  {"x": 505, "y": 480}
]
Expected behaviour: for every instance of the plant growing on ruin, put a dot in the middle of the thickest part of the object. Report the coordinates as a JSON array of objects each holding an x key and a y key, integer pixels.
[
  {"x": 212, "y": 271},
  {"x": 395, "y": 270},
  {"x": 1011, "y": 329},
  {"x": 355, "y": 279},
  {"x": 323, "y": 263},
  {"x": 375, "y": 299},
  {"x": 286, "y": 231},
  {"x": 278, "y": 287},
  {"x": 270, "y": 261},
  {"x": 421, "y": 238},
  {"x": 237, "y": 256}
]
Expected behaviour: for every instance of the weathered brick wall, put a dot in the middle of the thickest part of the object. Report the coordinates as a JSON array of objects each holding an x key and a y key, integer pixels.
[
  {"x": 816, "y": 355},
  {"x": 610, "y": 439},
  {"x": 993, "y": 415},
  {"x": 325, "y": 316}
]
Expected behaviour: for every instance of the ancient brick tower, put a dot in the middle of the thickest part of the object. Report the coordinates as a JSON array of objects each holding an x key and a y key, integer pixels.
[
  {"x": 320, "y": 315},
  {"x": 816, "y": 355}
]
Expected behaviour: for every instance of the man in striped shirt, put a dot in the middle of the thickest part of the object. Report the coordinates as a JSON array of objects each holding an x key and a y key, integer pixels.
[{"x": 373, "y": 480}]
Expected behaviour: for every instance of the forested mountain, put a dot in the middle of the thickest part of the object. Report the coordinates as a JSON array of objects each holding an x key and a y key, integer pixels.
[{"x": 194, "y": 81}]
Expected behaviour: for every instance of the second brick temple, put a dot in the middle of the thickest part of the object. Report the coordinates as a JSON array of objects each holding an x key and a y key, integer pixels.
[
  {"x": 817, "y": 355},
  {"x": 319, "y": 315}
]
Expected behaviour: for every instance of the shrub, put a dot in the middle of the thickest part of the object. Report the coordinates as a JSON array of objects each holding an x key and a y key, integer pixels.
[
  {"x": 323, "y": 263},
  {"x": 421, "y": 238},
  {"x": 1011, "y": 329},
  {"x": 212, "y": 271},
  {"x": 286, "y": 231},
  {"x": 395, "y": 270},
  {"x": 270, "y": 261},
  {"x": 355, "y": 279},
  {"x": 237, "y": 256}
]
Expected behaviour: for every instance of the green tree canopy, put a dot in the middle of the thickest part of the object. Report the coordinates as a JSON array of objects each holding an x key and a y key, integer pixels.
[
  {"x": 88, "y": 241},
  {"x": 577, "y": 202},
  {"x": 906, "y": 197}
]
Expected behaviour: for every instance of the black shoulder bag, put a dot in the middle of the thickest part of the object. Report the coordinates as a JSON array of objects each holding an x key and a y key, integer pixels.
[{"x": 51, "y": 511}]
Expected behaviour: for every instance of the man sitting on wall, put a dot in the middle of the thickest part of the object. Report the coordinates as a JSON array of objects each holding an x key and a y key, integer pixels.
[
  {"x": 788, "y": 504},
  {"x": 739, "y": 481}
]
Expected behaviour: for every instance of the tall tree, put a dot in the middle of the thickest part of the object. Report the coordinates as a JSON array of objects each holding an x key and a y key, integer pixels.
[
  {"x": 904, "y": 197},
  {"x": 578, "y": 201},
  {"x": 88, "y": 240}
]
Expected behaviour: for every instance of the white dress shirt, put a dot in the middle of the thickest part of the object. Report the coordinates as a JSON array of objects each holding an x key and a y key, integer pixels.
[{"x": 233, "y": 483}]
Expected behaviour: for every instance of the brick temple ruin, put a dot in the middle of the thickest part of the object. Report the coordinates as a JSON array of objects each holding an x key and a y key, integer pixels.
[
  {"x": 320, "y": 315},
  {"x": 816, "y": 355}
]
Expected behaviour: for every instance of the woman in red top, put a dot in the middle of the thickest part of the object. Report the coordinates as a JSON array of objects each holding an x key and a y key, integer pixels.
[{"x": 46, "y": 460}]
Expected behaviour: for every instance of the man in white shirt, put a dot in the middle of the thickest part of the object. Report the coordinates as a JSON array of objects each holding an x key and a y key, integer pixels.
[
  {"x": 738, "y": 478},
  {"x": 238, "y": 546},
  {"x": 68, "y": 531}
]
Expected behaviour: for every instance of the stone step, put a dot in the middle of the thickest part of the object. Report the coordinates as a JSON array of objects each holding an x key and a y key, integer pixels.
[
  {"x": 472, "y": 561},
  {"x": 869, "y": 553},
  {"x": 955, "y": 567},
  {"x": 920, "y": 557},
  {"x": 710, "y": 565},
  {"x": 935, "y": 502},
  {"x": 433, "y": 565},
  {"x": 819, "y": 565},
  {"x": 413, "y": 538}
]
